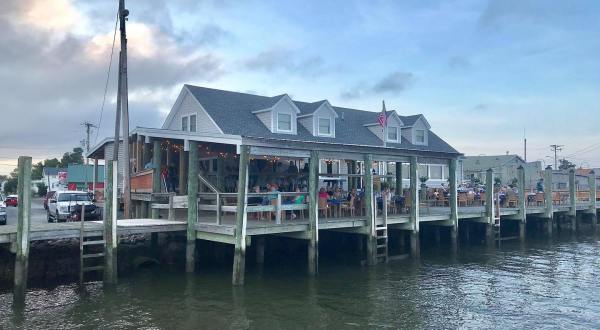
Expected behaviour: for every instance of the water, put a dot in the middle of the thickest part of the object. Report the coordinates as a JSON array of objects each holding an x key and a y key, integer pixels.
[{"x": 542, "y": 284}]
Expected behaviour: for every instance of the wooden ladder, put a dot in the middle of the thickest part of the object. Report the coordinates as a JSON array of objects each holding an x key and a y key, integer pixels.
[
  {"x": 381, "y": 235},
  {"x": 85, "y": 245}
]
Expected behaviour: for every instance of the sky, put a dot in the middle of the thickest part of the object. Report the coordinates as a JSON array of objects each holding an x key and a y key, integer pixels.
[{"x": 484, "y": 73}]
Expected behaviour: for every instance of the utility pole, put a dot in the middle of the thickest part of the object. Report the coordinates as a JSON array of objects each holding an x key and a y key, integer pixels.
[
  {"x": 556, "y": 148},
  {"x": 88, "y": 130}
]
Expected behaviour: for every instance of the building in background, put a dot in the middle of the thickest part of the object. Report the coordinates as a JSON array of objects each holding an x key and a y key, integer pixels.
[
  {"x": 55, "y": 178},
  {"x": 504, "y": 166},
  {"x": 81, "y": 177}
]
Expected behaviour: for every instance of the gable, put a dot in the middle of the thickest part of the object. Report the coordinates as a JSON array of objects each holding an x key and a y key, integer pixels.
[{"x": 185, "y": 106}]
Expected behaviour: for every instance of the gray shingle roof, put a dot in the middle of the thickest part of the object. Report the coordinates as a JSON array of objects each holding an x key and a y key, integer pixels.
[
  {"x": 51, "y": 171},
  {"x": 232, "y": 111}
]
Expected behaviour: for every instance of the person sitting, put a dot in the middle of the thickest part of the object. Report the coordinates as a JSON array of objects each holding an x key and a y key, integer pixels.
[
  {"x": 148, "y": 166},
  {"x": 540, "y": 185},
  {"x": 323, "y": 193}
]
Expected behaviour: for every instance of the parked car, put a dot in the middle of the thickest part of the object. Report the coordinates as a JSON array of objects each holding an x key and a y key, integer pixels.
[
  {"x": 12, "y": 200},
  {"x": 62, "y": 205},
  {"x": 2, "y": 211},
  {"x": 48, "y": 196}
]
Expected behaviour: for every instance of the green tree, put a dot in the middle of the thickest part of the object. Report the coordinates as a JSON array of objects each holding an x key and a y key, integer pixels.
[
  {"x": 565, "y": 164},
  {"x": 10, "y": 187},
  {"x": 75, "y": 157},
  {"x": 38, "y": 169},
  {"x": 42, "y": 189}
]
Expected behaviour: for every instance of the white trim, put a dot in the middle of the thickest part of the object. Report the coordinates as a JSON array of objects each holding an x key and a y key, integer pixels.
[
  {"x": 318, "y": 127},
  {"x": 424, "y": 142},
  {"x": 279, "y": 130},
  {"x": 185, "y": 91},
  {"x": 388, "y": 134}
]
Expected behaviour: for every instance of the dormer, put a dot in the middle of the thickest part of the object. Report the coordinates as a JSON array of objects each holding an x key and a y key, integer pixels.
[
  {"x": 416, "y": 130},
  {"x": 319, "y": 119},
  {"x": 281, "y": 117},
  {"x": 393, "y": 130}
]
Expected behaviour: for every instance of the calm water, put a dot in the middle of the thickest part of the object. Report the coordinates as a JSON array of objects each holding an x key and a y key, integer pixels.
[{"x": 541, "y": 284}]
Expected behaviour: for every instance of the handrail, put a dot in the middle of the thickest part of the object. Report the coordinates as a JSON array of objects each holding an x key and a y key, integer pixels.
[{"x": 208, "y": 184}]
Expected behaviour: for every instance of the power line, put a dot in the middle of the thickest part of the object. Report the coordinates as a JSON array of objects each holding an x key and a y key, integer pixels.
[
  {"x": 586, "y": 149},
  {"x": 112, "y": 50},
  {"x": 556, "y": 148}
]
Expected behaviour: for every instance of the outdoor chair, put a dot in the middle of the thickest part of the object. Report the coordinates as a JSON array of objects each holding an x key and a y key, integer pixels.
[
  {"x": 462, "y": 199},
  {"x": 323, "y": 206},
  {"x": 540, "y": 199},
  {"x": 348, "y": 207}
]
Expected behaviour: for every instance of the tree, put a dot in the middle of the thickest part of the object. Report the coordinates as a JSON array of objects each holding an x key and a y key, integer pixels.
[
  {"x": 75, "y": 157},
  {"x": 42, "y": 189},
  {"x": 10, "y": 187},
  {"x": 565, "y": 164},
  {"x": 37, "y": 170}
]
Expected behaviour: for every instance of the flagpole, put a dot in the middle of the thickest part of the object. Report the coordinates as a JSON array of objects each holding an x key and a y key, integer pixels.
[{"x": 384, "y": 124}]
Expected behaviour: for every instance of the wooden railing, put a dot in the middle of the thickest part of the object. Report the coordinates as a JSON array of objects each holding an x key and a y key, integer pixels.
[{"x": 141, "y": 182}]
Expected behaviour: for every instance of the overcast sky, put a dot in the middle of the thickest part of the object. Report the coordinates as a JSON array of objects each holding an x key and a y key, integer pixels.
[{"x": 482, "y": 72}]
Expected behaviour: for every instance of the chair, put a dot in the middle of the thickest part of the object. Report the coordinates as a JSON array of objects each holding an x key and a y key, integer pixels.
[
  {"x": 323, "y": 206},
  {"x": 512, "y": 200},
  {"x": 556, "y": 198},
  {"x": 540, "y": 198},
  {"x": 348, "y": 206},
  {"x": 471, "y": 199},
  {"x": 462, "y": 199}
]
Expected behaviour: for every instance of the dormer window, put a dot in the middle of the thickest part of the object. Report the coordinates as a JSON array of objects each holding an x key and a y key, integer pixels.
[
  {"x": 324, "y": 126},
  {"x": 184, "y": 123},
  {"x": 192, "y": 123},
  {"x": 392, "y": 134},
  {"x": 284, "y": 122},
  {"x": 188, "y": 123},
  {"x": 420, "y": 136}
]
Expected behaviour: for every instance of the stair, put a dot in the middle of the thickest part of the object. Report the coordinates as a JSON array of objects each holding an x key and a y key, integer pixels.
[
  {"x": 497, "y": 232},
  {"x": 381, "y": 238},
  {"x": 91, "y": 258}
]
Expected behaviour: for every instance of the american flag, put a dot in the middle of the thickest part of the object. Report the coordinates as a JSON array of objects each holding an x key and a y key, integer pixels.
[{"x": 382, "y": 118}]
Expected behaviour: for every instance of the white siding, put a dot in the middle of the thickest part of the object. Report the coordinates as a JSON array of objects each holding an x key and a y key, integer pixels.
[
  {"x": 189, "y": 106},
  {"x": 108, "y": 156},
  {"x": 377, "y": 130},
  {"x": 420, "y": 125},
  {"x": 407, "y": 134},
  {"x": 265, "y": 118},
  {"x": 307, "y": 122},
  {"x": 284, "y": 107},
  {"x": 323, "y": 112}
]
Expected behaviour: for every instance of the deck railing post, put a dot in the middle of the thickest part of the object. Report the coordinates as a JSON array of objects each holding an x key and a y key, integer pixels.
[
  {"x": 593, "y": 196},
  {"x": 313, "y": 213},
  {"x": 573, "y": 199},
  {"x": 548, "y": 192},
  {"x": 23, "y": 227},
  {"x": 110, "y": 223},
  {"x": 278, "y": 209},
  {"x": 453, "y": 201},
  {"x": 192, "y": 215},
  {"x": 182, "y": 172},
  {"x": 370, "y": 211},
  {"x": 522, "y": 201},
  {"x": 414, "y": 208},
  {"x": 239, "y": 258},
  {"x": 489, "y": 206},
  {"x": 399, "y": 191},
  {"x": 218, "y": 203},
  {"x": 156, "y": 182}
]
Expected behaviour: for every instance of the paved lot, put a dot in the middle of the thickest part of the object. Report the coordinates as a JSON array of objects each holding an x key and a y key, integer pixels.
[{"x": 38, "y": 214}]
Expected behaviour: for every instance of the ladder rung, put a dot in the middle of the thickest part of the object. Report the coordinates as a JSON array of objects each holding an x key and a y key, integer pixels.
[
  {"x": 381, "y": 228},
  {"x": 92, "y": 268},
  {"x": 93, "y": 255},
  {"x": 382, "y": 255},
  {"x": 93, "y": 242},
  {"x": 379, "y": 246},
  {"x": 381, "y": 237}
]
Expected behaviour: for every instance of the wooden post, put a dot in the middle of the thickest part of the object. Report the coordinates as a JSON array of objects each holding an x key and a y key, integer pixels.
[
  {"x": 139, "y": 156},
  {"x": 489, "y": 206},
  {"x": 239, "y": 258},
  {"x": 522, "y": 202},
  {"x": 156, "y": 180},
  {"x": 95, "y": 176},
  {"x": 414, "y": 209},
  {"x": 110, "y": 223},
  {"x": 192, "y": 216},
  {"x": 549, "y": 212},
  {"x": 593, "y": 195},
  {"x": 572, "y": 199},
  {"x": 399, "y": 179},
  {"x": 23, "y": 227},
  {"x": 352, "y": 171},
  {"x": 220, "y": 173},
  {"x": 260, "y": 250},
  {"x": 370, "y": 212},
  {"x": 453, "y": 201},
  {"x": 313, "y": 213},
  {"x": 182, "y": 172},
  {"x": 278, "y": 209}
]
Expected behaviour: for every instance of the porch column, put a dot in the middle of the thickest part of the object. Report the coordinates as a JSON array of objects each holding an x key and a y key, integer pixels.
[
  {"x": 220, "y": 174},
  {"x": 239, "y": 257},
  {"x": 593, "y": 196},
  {"x": 573, "y": 199},
  {"x": 414, "y": 208},
  {"x": 95, "y": 176},
  {"x": 352, "y": 180},
  {"x": 23, "y": 228},
  {"x": 313, "y": 213},
  {"x": 453, "y": 201},
  {"x": 192, "y": 216},
  {"x": 156, "y": 184},
  {"x": 522, "y": 195},
  {"x": 182, "y": 172},
  {"x": 139, "y": 161},
  {"x": 489, "y": 206},
  {"x": 370, "y": 212},
  {"x": 549, "y": 214},
  {"x": 399, "y": 179}
]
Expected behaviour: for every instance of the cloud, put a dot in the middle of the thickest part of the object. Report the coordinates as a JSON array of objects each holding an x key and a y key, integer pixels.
[
  {"x": 395, "y": 82},
  {"x": 459, "y": 63},
  {"x": 285, "y": 60}
]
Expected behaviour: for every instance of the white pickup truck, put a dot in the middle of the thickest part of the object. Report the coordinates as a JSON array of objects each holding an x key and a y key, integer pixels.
[
  {"x": 2, "y": 210},
  {"x": 63, "y": 203}
]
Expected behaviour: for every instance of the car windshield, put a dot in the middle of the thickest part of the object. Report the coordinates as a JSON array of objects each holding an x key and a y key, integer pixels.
[{"x": 74, "y": 197}]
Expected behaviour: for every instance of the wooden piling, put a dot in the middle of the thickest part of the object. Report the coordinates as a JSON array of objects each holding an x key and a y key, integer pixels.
[
  {"x": 489, "y": 206},
  {"x": 453, "y": 201},
  {"x": 260, "y": 250},
  {"x": 23, "y": 228},
  {"x": 192, "y": 216},
  {"x": 572, "y": 199},
  {"x": 370, "y": 212},
  {"x": 549, "y": 211},
  {"x": 414, "y": 208},
  {"x": 522, "y": 202},
  {"x": 110, "y": 223},
  {"x": 593, "y": 195},
  {"x": 313, "y": 214},
  {"x": 156, "y": 181},
  {"x": 239, "y": 257}
]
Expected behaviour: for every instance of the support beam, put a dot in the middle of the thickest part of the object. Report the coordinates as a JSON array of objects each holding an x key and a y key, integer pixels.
[
  {"x": 522, "y": 202},
  {"x": 593, "y": 195},
  {"x": 23, "y": 228},
  {"x": 110, "y": 223},
  {"x": 370, "y": 211},
  {"x": 182, "y": 172},
  {"x": 548, "y": 192},
  {"x": 399, "y": 191},
  {"x": 239, "y": 258},
  {"x": 414, "y": 208},
  {"x": 95, "y": 176},
  {"x": 313, "y": 213},
  {"x": 156, "y": 182},
  {"x": 573, "y": 199},
  {"x": 192, "y": 215},
  {"x": 489, "y": 206},
  {"x": 453, "y": 201}
]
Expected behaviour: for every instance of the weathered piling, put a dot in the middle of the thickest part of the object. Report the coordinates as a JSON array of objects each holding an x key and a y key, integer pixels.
[
  {"x": 239, "y": 257},
  {"x": 156, "y": 184},
  {"x": 549, "y": 214},
  {"x": 414, "y": 208},
  {"x": 572, "y": 200},
  {"x": 23, "y": 227},
  {"x": 489, "y": 206},
  {"x": 522, "y": 201},
  {"x": 593, "y": 195},
  {"x": 313, "y": 214},
  {"x": 192, "y": 214},
  {"x": 110, "y": 224},
  {"x": 370, "y": 211},
  {"x": 453, "y": 201}
]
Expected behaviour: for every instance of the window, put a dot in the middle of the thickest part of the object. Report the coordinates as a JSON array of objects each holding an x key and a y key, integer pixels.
[
  {"x": 284, "y": 122},
  {"x": 422, "y": 171},
  {"x": 192, "y": 123},
  {"x": 184, "y": 123},
  {"x": 420, "y": 136},
  {"x": 405, "y": 171},
  {"x": 324, "y": 126},
  {"x": 435, "y": 172},
  {"x": 392, "y": 133}
]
